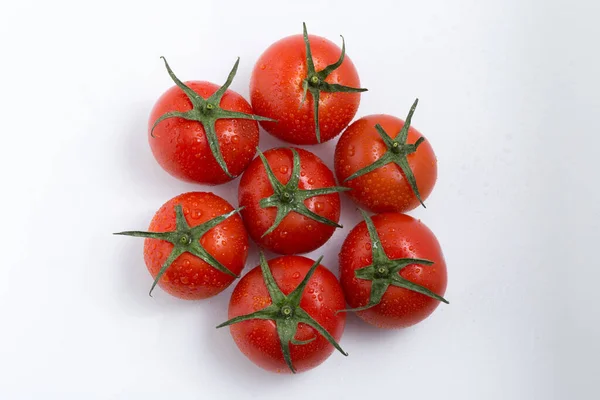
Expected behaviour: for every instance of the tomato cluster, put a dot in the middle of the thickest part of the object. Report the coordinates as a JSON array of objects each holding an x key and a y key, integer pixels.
[{"x": 288, "y": 313}]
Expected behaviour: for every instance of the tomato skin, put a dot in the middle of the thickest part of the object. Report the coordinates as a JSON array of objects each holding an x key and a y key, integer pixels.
[
  {"x": 189, "y": 277},
  {"x": 258, "y": 339},
  {"x": 384, "y": 189},
  {"x": 401, "y": 237},
  {"x": 276, "y": 90},
  {"x": 181, "y": 148},
  {"x": 296, "y": 233}
]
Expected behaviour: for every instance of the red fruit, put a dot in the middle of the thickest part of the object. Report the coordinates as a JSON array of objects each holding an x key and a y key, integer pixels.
[
  {"x": 297, "y": 83},
  {"x": 392, "y": 270},
  {"x": 284, "y": 315},
  {"x": 196, "y": 245}
]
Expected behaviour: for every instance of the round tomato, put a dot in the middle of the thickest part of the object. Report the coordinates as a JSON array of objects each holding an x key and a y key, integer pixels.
[
  {"x": 388, "y": 164},
  {"x": 196, "y": 245},
  {"x": 308, "y": 85},
  {"x": 201, "y": 133},
  {"x": 283, "y": 315},
  {"x": 292, "y": 206},
  {"x": 392, "y": 270}
]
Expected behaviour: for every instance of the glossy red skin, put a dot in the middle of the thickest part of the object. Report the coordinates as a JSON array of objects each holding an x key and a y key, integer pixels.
[
  {"x": 384, "y": 189},
  {"x": 258, "y": 339},
  {"x": 296, "y": 233},
  {"x": 189, "y": 277},
  {"x": 401, "y": 237},
  {"x": 181, "y": 147},
  {"x": 276, "y": 90}
]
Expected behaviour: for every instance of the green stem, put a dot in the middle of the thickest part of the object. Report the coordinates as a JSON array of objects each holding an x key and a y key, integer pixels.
[
  {"x": 397, "y": 153},
  {"x": 315, "y": 80},
  {"x": 207, "y": 112},
  {"x": 289, "y": 197},
  {"x": 287, "y": 313},
  {"x": 186, "y": 240},
  {"x": 384, "y": 271}
]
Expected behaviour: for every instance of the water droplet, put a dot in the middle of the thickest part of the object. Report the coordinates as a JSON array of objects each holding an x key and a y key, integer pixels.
[
  {"x": 368, "y": 246},
  {"x": 310, "y": 227},
  {"x": 283, "y": 234},
  {"x": 283, "y": 169},
  {"x": 319, "y": 205},
  {"x": 263, "y": 66},
  {"x": 196, "y": 214},
  {"x": 320, "y": 297},
  {"x": 185, "y": 280},
  {"x": 351, "y": 150},
  {"x": 311, "y": 181},
  {"x": 235, "y": 139}
]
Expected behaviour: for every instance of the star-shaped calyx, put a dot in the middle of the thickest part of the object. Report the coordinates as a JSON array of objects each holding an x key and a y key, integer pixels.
[
  {"x": 186, "y": 240},
  {"x": 290, "y": 197},
  {"x": 383, "y": 271},
  {"x": 286, "y": 312},
  {"x": 207, "y": 112},
  {"x": 315, "y": 81},
  {"x": 397, "y": 152}
]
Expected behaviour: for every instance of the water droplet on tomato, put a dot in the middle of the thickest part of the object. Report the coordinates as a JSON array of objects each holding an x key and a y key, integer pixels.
[
  {"x": 185, "y": 280},
  {"x": 283, "y": 169},
  {"x": 263, "y": 66},
  {"x": 311, "y": 181},
  {"x": 319, "y": 205},
  {"x": 296, "y": 275},
  {"x": 235, "y": 139}
]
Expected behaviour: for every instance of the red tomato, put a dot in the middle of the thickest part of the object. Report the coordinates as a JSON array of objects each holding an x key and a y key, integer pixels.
[
  {"x": 196, "y": 245},
  {"x": 201, "y": 133},
  {"x": 284, "y": 73},
  {"x": 396, "y": 275},
  {"x": 391, "y": 185},
  {"x": 289, "y": 209},
  {"x": 289, "y": 327}
]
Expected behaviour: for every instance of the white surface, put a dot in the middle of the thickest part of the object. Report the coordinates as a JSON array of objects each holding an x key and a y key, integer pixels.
[{"x": 508, "y": 94}]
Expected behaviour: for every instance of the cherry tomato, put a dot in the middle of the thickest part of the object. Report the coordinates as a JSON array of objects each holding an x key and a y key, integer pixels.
[
  {"x": 308, "y": 85},
  {"x": 201, "y": 133},
  {"x": 388, "y": 164},
  {"x": 196, "y": 245},
  {"x": 283, "y": 314},
  {"x": 292, "y": 206},
  {"x": 392, "y": 270}
]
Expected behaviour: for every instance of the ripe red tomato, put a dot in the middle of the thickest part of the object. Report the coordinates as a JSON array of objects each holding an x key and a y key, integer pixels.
[
  {"x": 201, "y": 133},
  {"x": 392, "y": 270},
  {"x": 292, "y": 207},
  {"x": 278, "y": 322},
  {"x": 387, "y": 163},
  {"x": 196, "y": 245},
  {"x": 284, "y": 74}
]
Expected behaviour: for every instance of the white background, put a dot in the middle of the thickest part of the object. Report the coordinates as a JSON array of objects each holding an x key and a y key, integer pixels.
[{"x": 508, "y": 93}]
